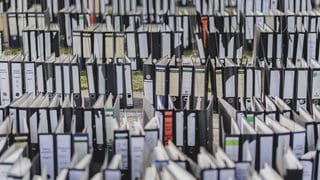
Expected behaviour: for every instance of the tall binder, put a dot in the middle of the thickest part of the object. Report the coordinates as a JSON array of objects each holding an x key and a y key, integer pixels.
[
  {"x": 301, "y": 88},
  {"x": 161, "y": 83},
  {"x": 16, "y": 75},
  {"x": 76, "y": 85}
]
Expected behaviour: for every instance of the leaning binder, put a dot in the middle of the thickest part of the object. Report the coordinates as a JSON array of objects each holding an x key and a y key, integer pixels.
[
  {"x": 305, "y": 120},
  {"x": 229, "y": 130},
  {"x": 281, "y": 136},
  {"x": 308, "y": 164},
  {"x": 11, "y": 156},
  {"x": 290, "y": 166},
  {"x": 113, "y": 169},
  {"x": 79, "y": 167},
  {"x": 207, "y": 165},
  {"x": 265, "y": 143}
]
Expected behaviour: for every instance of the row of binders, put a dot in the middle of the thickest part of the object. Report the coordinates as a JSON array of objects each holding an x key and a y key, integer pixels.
[
  {"x": 149, "y": 40},
  {"x": 187, "y": 128},
  {"x": 48, "y": 139},
  {"x": 39, "y": 42},
  {"x": 43, "y": 130},
  {"x": 54, "y": 136},
  {"x": 296, "y": 6},
  {"x": 296, "y": 82},
  {"x": 19, "y": 75},
  {"x": 182, "y": 83},
  {"x": 291, "y": 45},
  {"x": 112, "y": 75},
  {"x": 168, "y": 162},
  {"x": 17, "y": 21},
  {"x": 69, "y": 19},
  {"x": 225, "y": 44},
  {"x": 260, "y": 134}
]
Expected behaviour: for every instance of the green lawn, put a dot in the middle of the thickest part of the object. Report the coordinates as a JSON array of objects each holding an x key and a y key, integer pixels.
[{"x": 12, "y": 51}]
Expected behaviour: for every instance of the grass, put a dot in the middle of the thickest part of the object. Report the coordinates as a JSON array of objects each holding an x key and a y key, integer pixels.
[
  {"x": 83, "y": 80},
  {"x": 137, "y": 80},
  {"x": 247, "y": 54},
  {"x": 65, "y": 50},
  {"x": 13, "y": 51}
]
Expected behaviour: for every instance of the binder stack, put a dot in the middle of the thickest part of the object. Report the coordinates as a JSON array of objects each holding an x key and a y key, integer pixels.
[
  {"x": 157, "y": 40},
  {"x": 185, "y": 18},
  {"x": 208, "y": 6},
  {"x": 4, "y": 6},
  {"x": 185, "y": 80},
  {"x": 18, "y": 20},
  {"x": 244, "y": 136},
  {"x": 236, "y": 81},
  {"x": 41, "y": 43},
  {"x": 70, "y": 18},
  {"x": 114, "y": 76},
  {"x": 82, "y": 42},
  {"x": 20, "y": 75}
]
